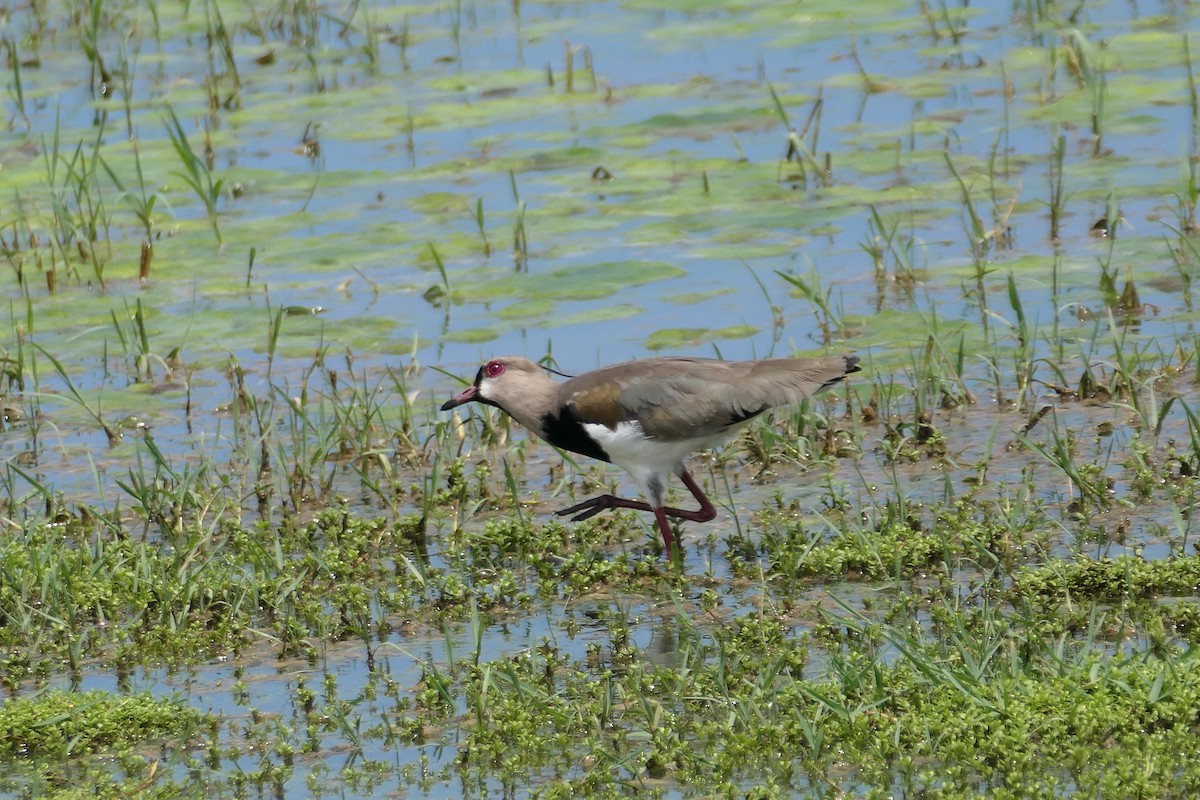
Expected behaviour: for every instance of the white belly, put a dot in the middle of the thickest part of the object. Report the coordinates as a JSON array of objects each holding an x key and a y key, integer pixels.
[{"x": 650, "y": 461}]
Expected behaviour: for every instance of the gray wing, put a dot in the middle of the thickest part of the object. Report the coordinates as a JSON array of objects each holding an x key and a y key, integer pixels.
[{"x": 684, "y": 398}]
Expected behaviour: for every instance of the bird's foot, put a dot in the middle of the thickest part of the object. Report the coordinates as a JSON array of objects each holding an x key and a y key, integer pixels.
[{"x": 594, "y": 505}]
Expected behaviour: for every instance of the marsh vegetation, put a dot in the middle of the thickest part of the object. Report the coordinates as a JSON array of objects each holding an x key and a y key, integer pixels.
[{"x": 248, "y": 249}]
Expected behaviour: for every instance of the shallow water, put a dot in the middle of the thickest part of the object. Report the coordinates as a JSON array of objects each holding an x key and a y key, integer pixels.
[{"x": 618, "y": 269}]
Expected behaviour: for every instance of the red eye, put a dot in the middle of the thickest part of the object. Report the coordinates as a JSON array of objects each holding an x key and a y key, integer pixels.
[{"x": 494, "y": 368}]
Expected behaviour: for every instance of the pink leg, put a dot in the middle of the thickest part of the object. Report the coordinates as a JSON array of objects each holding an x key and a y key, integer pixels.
[
  {"x": 664, "y": 527},
  {"x": 593, "y": 506},
  {"x": 707, "y": 511}
]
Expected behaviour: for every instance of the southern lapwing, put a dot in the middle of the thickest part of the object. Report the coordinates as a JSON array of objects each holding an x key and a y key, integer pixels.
[{"x": 648, "y": 416}]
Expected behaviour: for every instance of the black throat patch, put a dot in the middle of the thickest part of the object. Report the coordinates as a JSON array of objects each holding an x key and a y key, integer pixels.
[{"x": 565, "y": 431}]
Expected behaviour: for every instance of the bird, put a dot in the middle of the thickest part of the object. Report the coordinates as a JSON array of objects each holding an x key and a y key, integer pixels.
[{"x": 647, "y": 416}]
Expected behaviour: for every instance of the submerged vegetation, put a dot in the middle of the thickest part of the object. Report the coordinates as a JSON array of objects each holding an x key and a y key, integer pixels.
[{"x": 251, "y": 247}]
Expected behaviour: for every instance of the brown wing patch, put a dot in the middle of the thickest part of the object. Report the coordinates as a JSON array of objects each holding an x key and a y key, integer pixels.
[{"x": 600, "y": 403}]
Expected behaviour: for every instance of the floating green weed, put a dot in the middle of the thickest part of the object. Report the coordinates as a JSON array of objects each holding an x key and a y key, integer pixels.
[
  {"x": 60, "y": 723},
  {"x": 676, "y": 338}
]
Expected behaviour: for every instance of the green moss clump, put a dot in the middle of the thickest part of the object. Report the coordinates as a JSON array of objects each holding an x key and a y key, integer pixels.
[
  {"x": 56, "y": 724},
  {"x": 1110, "y": 579}
]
